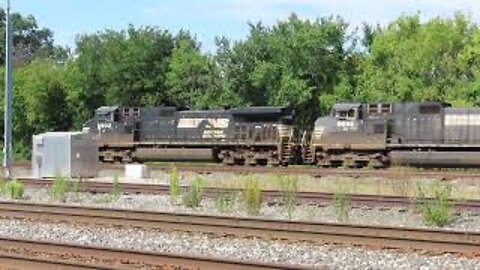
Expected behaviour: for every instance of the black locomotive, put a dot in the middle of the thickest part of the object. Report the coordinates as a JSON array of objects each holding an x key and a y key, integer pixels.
[
  {"x": 353, "y": 135},
  {"x": 255, "y": 135},
  {"x": 380, "y": 134}
]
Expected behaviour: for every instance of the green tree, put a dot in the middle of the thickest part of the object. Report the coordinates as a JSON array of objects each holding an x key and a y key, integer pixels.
[
  {"x": 125, "y": 67},
  {"x": 414, "y": 61},
  {"x": 293, "y": 63},
  {"x": 30, "y": 40},
  {"x": 189, "y": 77}
]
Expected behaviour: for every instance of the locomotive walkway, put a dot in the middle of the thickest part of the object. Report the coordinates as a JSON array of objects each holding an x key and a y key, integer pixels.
[{"x": 377, "y": 237}]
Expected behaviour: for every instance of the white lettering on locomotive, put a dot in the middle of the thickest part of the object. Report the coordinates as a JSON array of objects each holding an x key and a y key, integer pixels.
[
  {"x": 210, "y": 122},
  {"x": 214, "y": 134},
  {"x": 104, "y": 125}
]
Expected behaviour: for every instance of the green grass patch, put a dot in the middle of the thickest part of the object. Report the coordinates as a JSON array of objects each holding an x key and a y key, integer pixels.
[
  {"x": 434, "y": 203},
  {"x": 252, "y": 196},
  {"x": 59, "y": 188},
  {"x": 13, "y": 189},
  {"x": 289, "y": 189},
  {"x": 193, "y": 196},
  {"x": 341, "y": 204}
]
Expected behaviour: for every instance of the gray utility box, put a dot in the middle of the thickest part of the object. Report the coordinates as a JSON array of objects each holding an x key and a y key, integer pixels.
[{"x": 66, "y": 154}]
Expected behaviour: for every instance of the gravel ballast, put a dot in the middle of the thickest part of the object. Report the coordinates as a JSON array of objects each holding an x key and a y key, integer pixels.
[
  {"x": 391, "y": 216},
  {"x": 240, "y": 249}
]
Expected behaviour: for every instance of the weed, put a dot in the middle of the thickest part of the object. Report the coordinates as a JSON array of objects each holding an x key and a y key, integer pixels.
[
  {"x": 116, "y": 188},
  {"x": 193, "y": 197},
  {"x": 435, "y": 209},
  {"x": 289, "y": 188},
  {"x": 174, "y": 189},
  {"x": 224, "y": 201},
  {"x": 14, "y": 189},
  {"x": 59, "y": 188},
  {"x": 342, "y": 205},
  {"x": 252, "y": 196}
]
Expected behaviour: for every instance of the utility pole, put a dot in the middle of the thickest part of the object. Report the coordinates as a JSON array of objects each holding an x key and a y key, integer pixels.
[{"x": 7, "y": 138}]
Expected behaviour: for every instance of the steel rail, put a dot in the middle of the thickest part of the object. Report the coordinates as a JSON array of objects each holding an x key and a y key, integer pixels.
[
  {"x": 438, "y": 241},
  {"x": 15, "y": 261},
  {"x": 270, "y": 195},
  {"x": 306, "y": 170},
  {"x": 112, "y": 258}
]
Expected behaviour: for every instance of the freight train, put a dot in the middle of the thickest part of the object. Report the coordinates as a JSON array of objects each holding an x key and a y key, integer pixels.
[{"x": 352, "y": 135}]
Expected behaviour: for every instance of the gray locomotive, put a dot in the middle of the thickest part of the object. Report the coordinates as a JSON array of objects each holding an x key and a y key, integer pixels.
[
  {"x": 380, "y": 134},
  {"x": 255, "y": 135}
]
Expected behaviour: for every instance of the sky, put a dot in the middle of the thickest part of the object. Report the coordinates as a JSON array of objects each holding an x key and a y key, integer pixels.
[{"x": 208, "y": 19}]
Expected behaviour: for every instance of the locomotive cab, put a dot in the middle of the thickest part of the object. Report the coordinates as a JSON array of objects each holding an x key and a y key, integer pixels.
[{"x": 353, "y": 135}]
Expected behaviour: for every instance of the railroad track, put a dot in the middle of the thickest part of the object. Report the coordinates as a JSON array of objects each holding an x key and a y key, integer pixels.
[
  {"x": 313, "y": 171},
  {"x": 270, "y": 195},
  {"x": 405, "y": 173},
  {"x": 38, "y": 255},
  {"x": 436, "y": 241}
]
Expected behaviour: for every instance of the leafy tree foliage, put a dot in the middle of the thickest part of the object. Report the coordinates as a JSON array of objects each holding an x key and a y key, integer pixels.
[
  {"x": 189, "y": 76},
  {"x": 29, "y": 40},
  {"x": 306, "y": 64},
  {"x": 292, "y": 63},
  {"x": 432, "y": 61}
]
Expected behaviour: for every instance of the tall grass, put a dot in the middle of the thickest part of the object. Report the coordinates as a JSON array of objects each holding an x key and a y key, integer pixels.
[
  {"x": 193, "y": 197},
  {"x": 174, "y": 187},
  {"x": 59, "y": 188},
  {"x": 252, "y": 196},
  {"x": 13, "y": 189},
  {"x": 224, "y": 201},
  {"x": 341, "y": 204},
  {"x": 289, "y": 189},
  {"x": 434, "y": 203},
  {"x": 116, "y": 188}
]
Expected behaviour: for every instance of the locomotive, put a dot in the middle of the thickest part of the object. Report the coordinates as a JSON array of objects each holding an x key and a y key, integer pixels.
[
  {"x": 352, "y": 135},
  {"x": 381, "y": 134},
  {"x": 254, "y": 135}
]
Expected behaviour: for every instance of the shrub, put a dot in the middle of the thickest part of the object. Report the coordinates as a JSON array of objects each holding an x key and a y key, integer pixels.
[
  {"x": 341, "y": 204},
  {"x": 14, "y": 189},
  {"x": 252, "y": 196},
  {"x": 224, "y": 201},
  {"x": 59, "y": 188},
  {"x": 193, "y": 197},
  {"x": 435, "y": 209},
  {"x": 289, "y": 188}
]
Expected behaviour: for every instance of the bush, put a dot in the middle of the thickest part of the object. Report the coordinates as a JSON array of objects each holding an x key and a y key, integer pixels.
[
  {"x": 14, "y": 189},
  {"x": 437, "y": 208},
  {"x": 59, "y": 188},
  {"x": 193, "y": 197},
  {"x": 289, "y": 188},
  {"x": 252, "y": 196},
  {"x": 224, "y": 201},
  {"x": 341, "y": 204}
]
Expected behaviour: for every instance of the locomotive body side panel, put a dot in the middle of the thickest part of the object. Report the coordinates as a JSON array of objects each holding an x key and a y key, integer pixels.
[{"x": 462, "y": 126}]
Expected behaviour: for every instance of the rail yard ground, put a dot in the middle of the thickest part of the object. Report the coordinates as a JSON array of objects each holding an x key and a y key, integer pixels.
[
  {"x": 300, "y": 253},
  {"x": 397, "y": 181}
]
